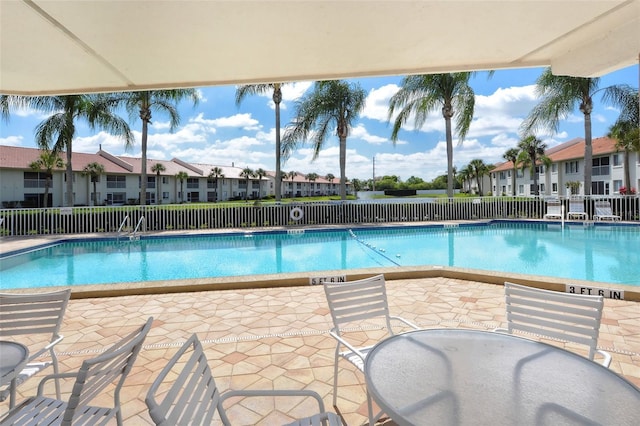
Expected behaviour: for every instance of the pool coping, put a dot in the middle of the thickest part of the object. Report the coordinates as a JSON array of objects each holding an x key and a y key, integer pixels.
[{"x": 22, "y": 244}]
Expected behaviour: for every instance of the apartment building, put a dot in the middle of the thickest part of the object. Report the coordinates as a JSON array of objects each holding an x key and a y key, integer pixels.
[
  {"x": 21, "y": 186},
  {"x": 565, "y": 175}
]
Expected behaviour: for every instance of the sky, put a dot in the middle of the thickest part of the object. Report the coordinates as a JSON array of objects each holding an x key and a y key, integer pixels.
[{"x": 218, "y": 132}]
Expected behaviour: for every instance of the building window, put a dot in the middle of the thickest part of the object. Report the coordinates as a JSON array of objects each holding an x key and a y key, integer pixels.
[
  {"x": 73, "y": 177},
  {"x": 165, "y": 195},
  {"x": 617, "y": 184},
  {"x": 554, "y": 168},
  {"x": 35, "y": 180},
  {"x": 114, "y": 181},
  {"x": 521, "y": 189},
  {"x": 115, "y": 198},
  {"x": 600, "y": 166},
  {"x": 519, "y": 173},
  {"x": 554, "y": 188},
  {"x": 193, "y": 183},
  {"x": 617, "y": 159},
  {"x": 211, "y": 183},
  {"x": 151, "y": 182},
  {"x": 571, "y": 167},
  {"x": 599, "y": 188},
  {"x": 193, "y": 197},
  {"x": 165, "y": 180}
]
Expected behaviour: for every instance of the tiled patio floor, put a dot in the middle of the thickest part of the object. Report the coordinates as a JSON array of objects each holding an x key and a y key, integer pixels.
[{"x": 277, "y": 337}]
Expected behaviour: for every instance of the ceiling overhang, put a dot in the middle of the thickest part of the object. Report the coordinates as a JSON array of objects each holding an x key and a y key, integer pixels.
[{"x": 72, "y": 46}]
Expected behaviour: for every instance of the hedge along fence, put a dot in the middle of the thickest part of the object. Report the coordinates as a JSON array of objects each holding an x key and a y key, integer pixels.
[{"x": 80, "y": 220}]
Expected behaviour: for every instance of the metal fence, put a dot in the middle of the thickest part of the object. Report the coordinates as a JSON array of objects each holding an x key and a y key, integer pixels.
[{"x": 78, "y": 220}]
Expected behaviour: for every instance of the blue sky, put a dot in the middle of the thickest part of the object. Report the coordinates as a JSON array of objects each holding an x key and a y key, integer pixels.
[{"x": 218, "y": 132}]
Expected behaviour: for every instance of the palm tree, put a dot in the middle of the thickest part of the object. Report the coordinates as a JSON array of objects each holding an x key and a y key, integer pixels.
[
  {"x": 333, "y": 104},
  {"x": 465, "y": 175},
  {"x": 47, "y": 161},
  {"x": 141, "y": 104},
  {"x": 94, "y": 170},
  {"x": 330, "y": 177},
  {"x": 419, "y": 95},
  {"x": 292, "y": 175},
  {"x": 181, "y": 177},
  {"x": 215, "y": 174},
  {"x": 512, "y": 155},
  {"x": 157, "y": 169},
  {"x": 559, "y": 96},
  {"x": 247, "y": 173},
  {"x": 312, "y": 177},
  {"x": 260, "y": 173},
  {"x": 479, "y": 169},
  {"x": 531, "y": 152},
  {"x": 254, "y": 89},
  {"x": 626, "y": 131},
  {"x": 60, "y": 127}
]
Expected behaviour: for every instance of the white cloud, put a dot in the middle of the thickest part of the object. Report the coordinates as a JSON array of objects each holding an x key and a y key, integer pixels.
[
  {"x": 377, "y": 102},
  {"x": 244, "y": 121},
  {"x": 360, "y": 132},
  {"x": 12, "y": 141}
]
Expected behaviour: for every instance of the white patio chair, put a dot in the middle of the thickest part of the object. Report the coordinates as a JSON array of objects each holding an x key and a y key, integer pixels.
[
  {"x": 576, "y": 210},
  {"x": 354, "y": 304},
  {"x": 35, "y": 317},
  {"x": 109, "y": 369},
  {"x": 554, "y": 210},
  {"x": 563, "y": 316},
  {"x": 603, "y": 211},
  {"x": 192, "y": 397}
]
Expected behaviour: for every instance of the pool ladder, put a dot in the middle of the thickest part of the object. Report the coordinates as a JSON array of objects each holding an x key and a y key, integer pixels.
[{"x": 140, "y": 226}]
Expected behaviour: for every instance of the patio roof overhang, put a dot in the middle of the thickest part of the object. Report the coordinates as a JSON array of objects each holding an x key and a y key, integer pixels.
[{"x": 72, "y": 46}]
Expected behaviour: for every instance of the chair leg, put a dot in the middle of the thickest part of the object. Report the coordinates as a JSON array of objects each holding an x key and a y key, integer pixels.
[
  {"x": 335, "y": 382},
  {"x": 372, "y": 421}
]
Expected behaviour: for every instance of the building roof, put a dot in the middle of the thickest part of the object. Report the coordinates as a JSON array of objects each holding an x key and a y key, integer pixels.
[{"x": 570, "y": 150}]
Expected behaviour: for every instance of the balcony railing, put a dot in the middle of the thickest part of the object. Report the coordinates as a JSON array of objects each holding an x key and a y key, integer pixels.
[{"x": 80, "y": 220}]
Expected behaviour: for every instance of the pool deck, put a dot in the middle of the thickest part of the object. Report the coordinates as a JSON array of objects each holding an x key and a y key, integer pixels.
[{"x": 277, "y": 337}]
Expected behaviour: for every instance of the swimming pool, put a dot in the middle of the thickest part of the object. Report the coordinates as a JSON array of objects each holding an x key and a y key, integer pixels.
[{"x": 602, "y": 253}]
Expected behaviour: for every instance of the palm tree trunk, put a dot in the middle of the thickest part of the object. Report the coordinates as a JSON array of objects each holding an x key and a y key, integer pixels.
[
  {"x": 588, "y": 154},
  {"x": 627, "y": 172},
  {"x": 343, "y": 165},
  {"x": 447, "y": 121},
  {"x": 69, "y": 175},
  {"x": 143, "y": 165},
  {"x": 513, "y": 180},
  {"x": 95, "y": 192},
  {"x": 47, "y": 185},
  {"x": 277, "y": 98},
  {"x": 158, "y": 192}
]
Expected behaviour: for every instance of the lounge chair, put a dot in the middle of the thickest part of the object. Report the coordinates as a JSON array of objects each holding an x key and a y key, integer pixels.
[
  {"x": 185, "y": 393},
  {"x": 107, "y": 371},
  {"x": 353, "y": 304},
  {"x": 554, "y": 210},
  {"x": 603, "y": 211},
  {"x": 35, "y": 318},
  {"x": 576, "y": 210},
  {"x": 560, "y": 316}
]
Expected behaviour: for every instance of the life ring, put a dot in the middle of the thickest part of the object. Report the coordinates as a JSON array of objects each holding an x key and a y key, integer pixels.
[{"x": 296, "y": 213}]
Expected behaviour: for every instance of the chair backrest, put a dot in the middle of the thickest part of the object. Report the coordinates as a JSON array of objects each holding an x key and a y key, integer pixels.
[
  {"x": 554, "y": 206},
  {"x": 356, "y": 301},
  {"x": 563, "y": 316},
  {"x": 108, "y": 369},
  {"x": 603, "y": 208},
  {"x": 576, "y": 206},
  {"x": 192, "y": 396},
  {"x": 34, "y": 313}
]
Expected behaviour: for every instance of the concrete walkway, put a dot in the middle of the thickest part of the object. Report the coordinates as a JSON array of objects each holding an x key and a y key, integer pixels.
[{"x": 277, "y": 338}]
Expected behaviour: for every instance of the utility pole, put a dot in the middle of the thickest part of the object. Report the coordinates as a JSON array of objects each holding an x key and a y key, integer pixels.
[{"x": 374, "y": 173}]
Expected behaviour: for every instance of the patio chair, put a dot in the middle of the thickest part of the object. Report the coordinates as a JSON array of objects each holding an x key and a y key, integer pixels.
[
  {"x": 192, "y": 397},
  {"x": 36, "y": 318},
  {"x": 562, "y": 316},
  {"x": 109, "y": 369},
  {"x": 603, "y": 211},
  {"x": 353, "y": 304},
  {"x": 576, "y": 210},
  {"x": 554, "y": 210}
]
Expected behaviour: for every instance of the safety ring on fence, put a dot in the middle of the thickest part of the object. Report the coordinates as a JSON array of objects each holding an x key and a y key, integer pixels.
[{"x": 296, "y": 213}]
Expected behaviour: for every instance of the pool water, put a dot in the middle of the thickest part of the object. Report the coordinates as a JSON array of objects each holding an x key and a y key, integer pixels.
[{"x": 604, "y": 253}]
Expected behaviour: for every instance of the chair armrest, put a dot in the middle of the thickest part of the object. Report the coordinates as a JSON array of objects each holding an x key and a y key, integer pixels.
[
  {"x": 46, "y": 348},
  {"x": 53, "y": 377},
  {"x": 500, "y": 330},
  {"x": 352, "y": 348},
  {"x": 607, "y": 357},
  {"x": 406, "y": 322}
]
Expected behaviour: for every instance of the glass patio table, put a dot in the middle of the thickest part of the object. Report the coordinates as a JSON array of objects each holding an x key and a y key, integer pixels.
[
  {"x": 13, "y": 357},
  {"x": 470, "y": 377}
]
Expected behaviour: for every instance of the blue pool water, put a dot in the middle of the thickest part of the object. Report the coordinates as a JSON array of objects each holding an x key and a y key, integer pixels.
[{"x": 595, "y": 253}]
